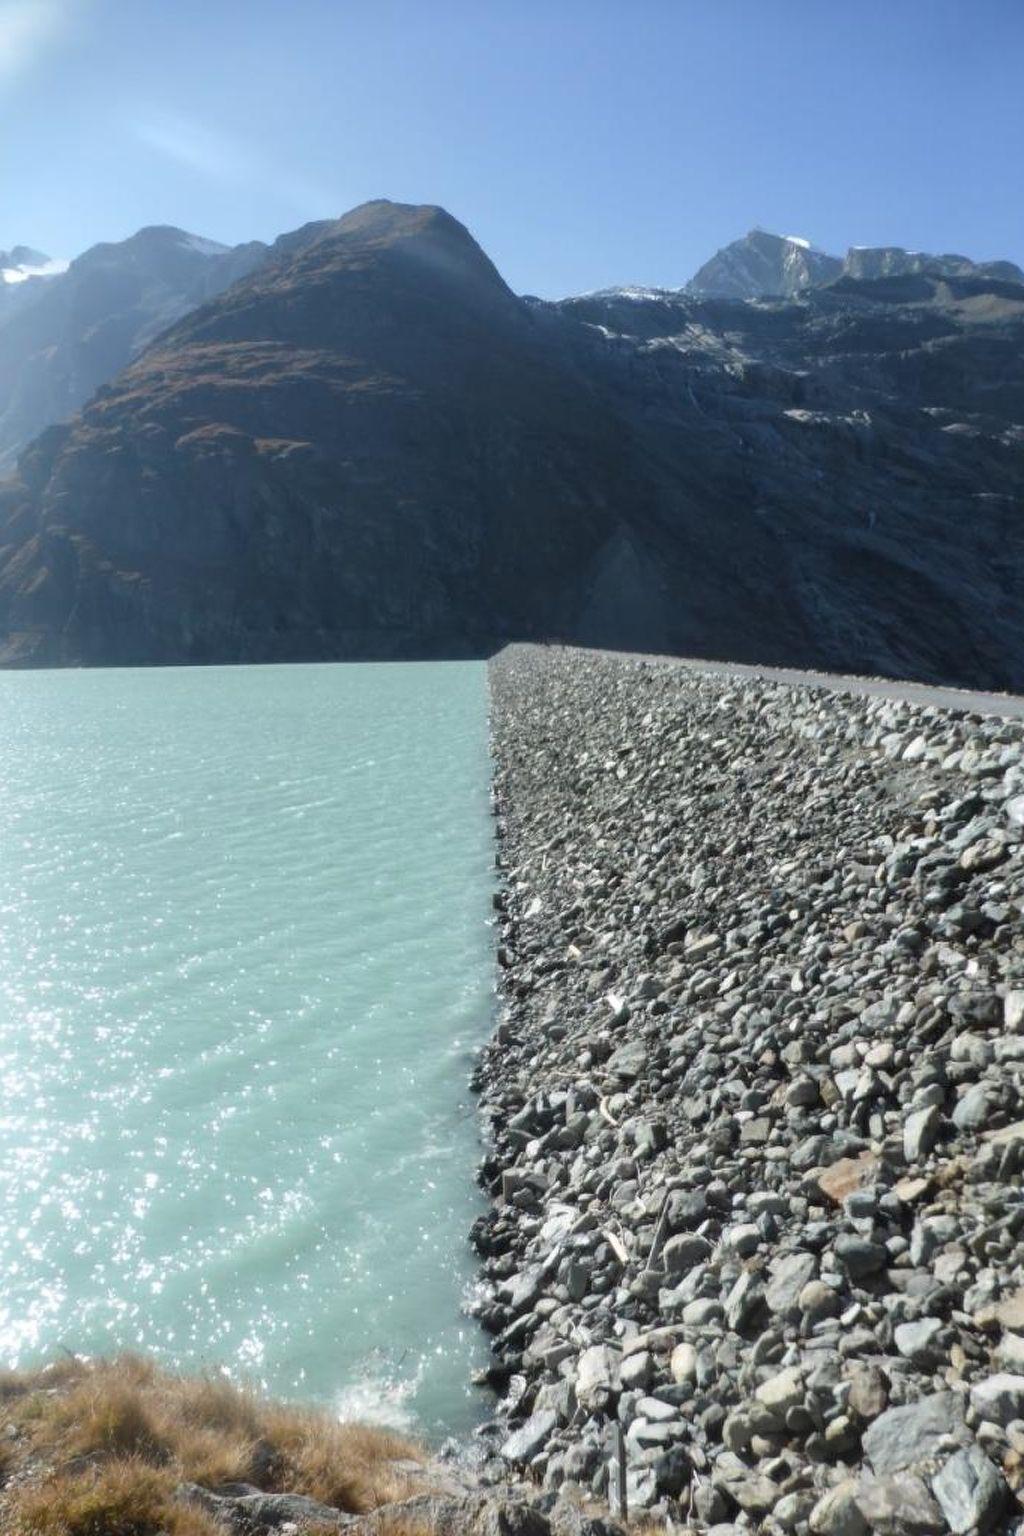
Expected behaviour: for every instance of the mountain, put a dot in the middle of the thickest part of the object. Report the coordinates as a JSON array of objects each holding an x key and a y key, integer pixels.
[
  {"x": 22, "y": 262},
  {"x": 865, "y": 261},
  {"x": 72, "y": 327},
  {"x": 763, "y": 265},
  {"x": 367, "y": 447},
  {"x": 24, "y": 273},
  {"x": 370, "y": 447}
]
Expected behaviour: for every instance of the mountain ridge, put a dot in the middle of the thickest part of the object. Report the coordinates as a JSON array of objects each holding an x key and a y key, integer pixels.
[
  {"x": 765, "y": 265},
  {"x": 68, "y": 333},
  {"x": 368, "y": 446}
]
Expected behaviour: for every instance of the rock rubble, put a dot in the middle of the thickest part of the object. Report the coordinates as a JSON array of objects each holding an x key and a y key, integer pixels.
[{"x": 755, "y": 1101}]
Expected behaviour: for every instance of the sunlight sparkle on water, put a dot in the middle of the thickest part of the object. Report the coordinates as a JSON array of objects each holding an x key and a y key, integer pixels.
[{"x": 244, "y": 956}]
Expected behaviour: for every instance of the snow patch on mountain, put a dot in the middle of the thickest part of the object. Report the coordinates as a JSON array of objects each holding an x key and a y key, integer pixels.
[{"x": 633, "y": 291}]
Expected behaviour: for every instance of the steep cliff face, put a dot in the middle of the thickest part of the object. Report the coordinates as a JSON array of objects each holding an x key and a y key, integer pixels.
[
  {"x": 845, "y": 471},
  {"x": 763, "y": 265},
  {"x": 371, "y": 447},
  {"x": 62, "y": 336},
  {"x": 873, "y": 261}
]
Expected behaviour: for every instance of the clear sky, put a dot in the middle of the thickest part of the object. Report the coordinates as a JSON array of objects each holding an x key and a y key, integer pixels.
[{"x": 584, "y": 142}]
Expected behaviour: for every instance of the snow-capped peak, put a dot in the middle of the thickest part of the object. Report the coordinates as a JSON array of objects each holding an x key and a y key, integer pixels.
[{"x": 805, "y": 245}]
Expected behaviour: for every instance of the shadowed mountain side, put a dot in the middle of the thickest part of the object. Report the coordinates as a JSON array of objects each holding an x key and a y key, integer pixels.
[
  {"x": 368, "y": 449},
  {"x": 73, "y": 332},
  {"x": 371, "y": 448},
  {"x": 841, "y": 475}
]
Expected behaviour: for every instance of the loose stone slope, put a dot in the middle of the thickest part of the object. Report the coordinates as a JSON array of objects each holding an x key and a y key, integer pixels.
[{"x": 755, "y": 1099}]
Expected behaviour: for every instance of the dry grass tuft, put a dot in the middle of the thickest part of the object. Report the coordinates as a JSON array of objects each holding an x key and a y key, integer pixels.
[
  {"x": 125, "y": 1432},
  {"x": 125, "y": 1498},
  {"x": 99, "y": 1418}
]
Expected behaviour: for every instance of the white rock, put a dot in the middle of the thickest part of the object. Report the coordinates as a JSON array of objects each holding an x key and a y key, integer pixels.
[
  {"x": 999, "y": 1398},
  {"x": 782, "y": 1391}
]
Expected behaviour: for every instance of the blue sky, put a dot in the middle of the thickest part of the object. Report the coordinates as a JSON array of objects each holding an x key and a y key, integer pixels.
[{"x": 584, "y": 142}]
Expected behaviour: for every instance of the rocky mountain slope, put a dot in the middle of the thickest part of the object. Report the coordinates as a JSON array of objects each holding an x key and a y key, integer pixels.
[
  {"x": 762, "y": 265},
  {"x": 864, "y": 261},
  {"x": 65, "y": 334},
  {"x": 756, "y": 1099},
  {"x": 371, "y": 447}
]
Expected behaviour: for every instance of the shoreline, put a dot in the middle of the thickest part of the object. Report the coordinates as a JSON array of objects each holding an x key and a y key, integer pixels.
[{"x": 753, "y": 1097}]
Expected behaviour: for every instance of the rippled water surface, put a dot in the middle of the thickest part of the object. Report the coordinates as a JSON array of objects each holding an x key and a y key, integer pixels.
[{"x": 244, "y": 957}]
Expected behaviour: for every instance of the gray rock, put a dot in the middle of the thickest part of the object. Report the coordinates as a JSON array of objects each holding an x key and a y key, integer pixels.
[
  {"x": 497, "y": 1515},
  {"x": 755, "y": 1492},
  {"x": 641, "y": 1486},
  {"x": 918, "y": 1341},
  {"x": 686, "y": 1209},
  {"x": 681, "y": 1253},
  {"x": 656, "y": 1411},
  {"x": 899, "y": 1506},
  {"x": 530, "y": 1438},
  {"x": 738, "y": 1431},
  {"x": 743, "y": 1300},
  {"x": 858, "y": 1256},
  {"x": 628, "y": 1061},
  {"x": 597, "y": 1373},
  {"x": 781, "y": 1392},
  {"x": 970, "y": 1491},
  {"x": 920, "y": 1133},
  {"x": 787, "y": 1277},
  {"x": 867, "y": 1391},
  {"x": 744, "y": 1239},
  {"x": 637, "y": 1371},
  {"x": 999, "y": 1398},
  {"x": 818, "y": 1300},
  {"x": 710, "y": 1506},
  {"x": 705, "y": 1310},
  {"x": 915, "y": 1432},
  {"x": 793, "y": 1509},
  {"x": 802, "y": 1093},
  {"x": 526, "y": 1288},
  {"x": 754, "y": 1133},
  {"x": 837, "y": 1512},
  {"x": 972, "y": 1110},
  {"x": 257, "y": 1511}
]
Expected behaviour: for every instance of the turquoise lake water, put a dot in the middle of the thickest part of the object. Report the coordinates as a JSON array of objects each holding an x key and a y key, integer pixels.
[{"x": 245, "y": 957}]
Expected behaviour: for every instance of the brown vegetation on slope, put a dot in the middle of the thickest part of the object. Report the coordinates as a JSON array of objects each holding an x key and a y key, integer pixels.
[{"x": 99, "y": 1448}]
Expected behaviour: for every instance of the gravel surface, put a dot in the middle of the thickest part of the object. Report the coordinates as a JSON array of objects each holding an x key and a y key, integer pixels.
[
  {"x": 755, "y": 1102},
  {"x": 1009, "y": 706}
]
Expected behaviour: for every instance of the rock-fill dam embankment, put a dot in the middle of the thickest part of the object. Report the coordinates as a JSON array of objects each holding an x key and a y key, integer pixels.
[{"x": 755, "y": 1102}]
